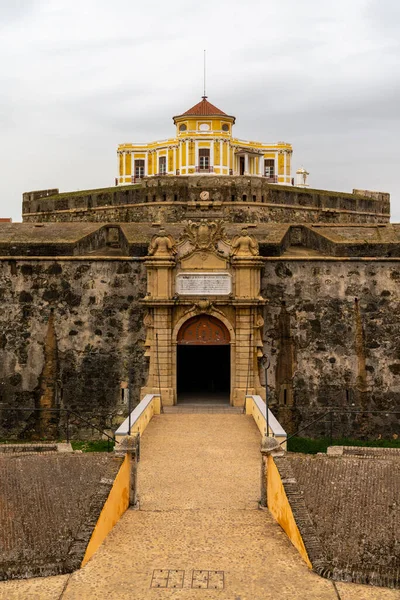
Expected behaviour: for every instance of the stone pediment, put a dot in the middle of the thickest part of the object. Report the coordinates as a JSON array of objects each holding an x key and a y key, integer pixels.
[
  {"x": 205, "y": 236},
  {"x": 203, "y": 246},
  {"x": 204, "y": 260}
]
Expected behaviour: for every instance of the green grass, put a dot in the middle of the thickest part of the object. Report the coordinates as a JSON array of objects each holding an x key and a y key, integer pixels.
[
  {"x": 85, "y": 446},
  {"x": 280, "y": 188},
  {"x": 93, "y": 446},
  {"x": 312, "y": 446},
  {"x": 314, "y": 191},
  {"x": 79, "y": 193}
]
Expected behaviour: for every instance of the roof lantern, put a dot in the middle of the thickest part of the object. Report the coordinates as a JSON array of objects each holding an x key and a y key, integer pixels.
[{"x": 204, "y": 108}]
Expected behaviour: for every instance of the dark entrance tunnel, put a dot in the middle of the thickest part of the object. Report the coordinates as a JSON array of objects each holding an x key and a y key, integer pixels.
[
  {"x": 203, "y": 360},
  {"x": 203, "y": 372}
]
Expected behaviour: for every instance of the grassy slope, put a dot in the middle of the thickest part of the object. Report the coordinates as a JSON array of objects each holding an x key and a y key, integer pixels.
[{"x": 312, "y": 446}]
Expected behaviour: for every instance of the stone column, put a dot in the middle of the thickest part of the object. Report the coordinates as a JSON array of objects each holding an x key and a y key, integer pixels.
[
  {"x": 285, "y": 166},
  {"x": 260, "y": 166},
  {"x": 247, "y": 265},
  {"x": 160, "y": 264},
  {"x": 162, "y": 355},
  {"x": 244, "y": 356},
  {"x": 246, "y": 164},
  {"x": 247, "y": 380},
  {"x": 196, "y": 154}
]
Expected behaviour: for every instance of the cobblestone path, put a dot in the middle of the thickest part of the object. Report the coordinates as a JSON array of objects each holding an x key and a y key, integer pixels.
[{"x": 198, "y": 528}]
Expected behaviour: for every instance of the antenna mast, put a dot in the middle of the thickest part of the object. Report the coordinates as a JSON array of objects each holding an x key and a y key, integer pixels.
[{"x": 204, "y": 94}]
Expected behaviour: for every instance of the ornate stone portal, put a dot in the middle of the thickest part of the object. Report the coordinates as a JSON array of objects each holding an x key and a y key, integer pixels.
[{"x": 207, "y": 286}]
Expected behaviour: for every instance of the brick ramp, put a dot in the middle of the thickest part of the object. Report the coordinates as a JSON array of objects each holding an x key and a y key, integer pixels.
[
  {"x": 353, "y": 502},
  {"x": 49, "y": 505}
]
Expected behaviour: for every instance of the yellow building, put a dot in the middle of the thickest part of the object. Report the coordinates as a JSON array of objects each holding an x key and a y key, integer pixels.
[{"x": 204, "y": 145}]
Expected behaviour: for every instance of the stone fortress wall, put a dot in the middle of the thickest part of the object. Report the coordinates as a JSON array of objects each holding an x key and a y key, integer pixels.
[
  {"x": 241, "y": 199},
  {"x": 313, "y": 325},
  {"x": 71, "y": 325},
  {"x": 332, "y": 331},
  {"x": 72, "y": 333}
]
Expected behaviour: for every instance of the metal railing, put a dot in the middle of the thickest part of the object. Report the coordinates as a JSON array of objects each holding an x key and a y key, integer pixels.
[
  {"x": 329, "y": 417},
  {"x": 198, "y": 169},
  {"x": 204, "y": 169},
  {"x": 136, "y": 178},
  {"x": 135, "y": 416},
  {"x": 51, "y": 428}
]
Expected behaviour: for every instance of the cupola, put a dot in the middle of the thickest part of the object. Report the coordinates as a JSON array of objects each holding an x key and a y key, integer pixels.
[{"x": 204, "y": 118}]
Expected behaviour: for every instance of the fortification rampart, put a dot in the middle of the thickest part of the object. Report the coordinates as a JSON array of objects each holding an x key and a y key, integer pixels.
[
  {"x": 235, "y": 199},
  {"x": 73, "y": 334}
]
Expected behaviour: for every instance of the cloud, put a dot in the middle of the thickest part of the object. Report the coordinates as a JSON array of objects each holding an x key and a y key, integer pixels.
[
  {"x": 18, "y": 10},
  {"x": 81, "y": 78}
]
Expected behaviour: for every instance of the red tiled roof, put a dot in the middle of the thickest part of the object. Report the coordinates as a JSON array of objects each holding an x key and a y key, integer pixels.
[
  {"x": 5, "y": 220},
  {"x": 204, "y": 108}
]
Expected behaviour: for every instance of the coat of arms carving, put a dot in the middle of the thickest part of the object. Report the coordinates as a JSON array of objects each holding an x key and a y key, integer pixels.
[{"x": 204, "y": 235}]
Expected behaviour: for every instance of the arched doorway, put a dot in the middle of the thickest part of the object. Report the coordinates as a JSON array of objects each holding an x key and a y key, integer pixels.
[{"x": 203, "y": 360}]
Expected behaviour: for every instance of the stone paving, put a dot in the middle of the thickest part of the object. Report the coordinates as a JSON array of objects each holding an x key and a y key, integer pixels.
[
  {"x": 40, "y": 588},
  {"x": 198, "y": 525},
  {"x": 196, "y": 409}
]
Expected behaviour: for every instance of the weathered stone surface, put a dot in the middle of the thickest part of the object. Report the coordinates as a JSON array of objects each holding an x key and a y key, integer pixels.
[
  {"x": 238, "y": 199},
  {"x": 353, "y": 503},
  {"x": 98, "y": 324},
  {"x": 321, "y": 251},
  {"x": 132, "y": 239},
  {"x": 49, "y": 505},
  {"x": 99, "y": 333},
  {"x": 320, "y": 298}
]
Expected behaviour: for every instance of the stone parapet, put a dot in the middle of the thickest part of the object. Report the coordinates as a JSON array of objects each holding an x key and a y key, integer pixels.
[{"x": 172, "y": 199}]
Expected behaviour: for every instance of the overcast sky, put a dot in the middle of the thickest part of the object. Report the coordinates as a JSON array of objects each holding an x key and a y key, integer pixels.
[{"x": 78, "y": 78}]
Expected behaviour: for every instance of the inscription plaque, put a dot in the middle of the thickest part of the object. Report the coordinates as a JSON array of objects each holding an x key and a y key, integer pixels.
[{"x": 203, "y": 284}]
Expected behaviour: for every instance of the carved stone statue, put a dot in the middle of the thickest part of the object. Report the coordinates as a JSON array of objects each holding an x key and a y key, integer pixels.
[
  {"x": 244, "y": 244},
  {"x": 259, "y": 324},
  {"x": 162, "y": 245},
  {"x": 203, "y": 235}
]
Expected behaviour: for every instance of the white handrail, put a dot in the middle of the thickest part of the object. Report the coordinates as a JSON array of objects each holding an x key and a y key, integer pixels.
[
  {"x": 137, "y": 412},
  {"x": 275, "y": 428}
]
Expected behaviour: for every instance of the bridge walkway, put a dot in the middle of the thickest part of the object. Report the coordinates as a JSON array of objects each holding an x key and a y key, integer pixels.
[
  {"x": 198, "y": 481},
  {"x": 198, "y": 525}
]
